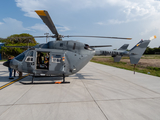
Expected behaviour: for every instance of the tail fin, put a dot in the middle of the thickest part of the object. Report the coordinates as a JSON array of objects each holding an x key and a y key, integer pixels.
[
  {"x": 124, "y": 47},
  {"x": 137, "y": 51}
]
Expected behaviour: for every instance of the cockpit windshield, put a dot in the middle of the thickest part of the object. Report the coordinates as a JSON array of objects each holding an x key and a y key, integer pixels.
[{"x": 21, "y": 56}]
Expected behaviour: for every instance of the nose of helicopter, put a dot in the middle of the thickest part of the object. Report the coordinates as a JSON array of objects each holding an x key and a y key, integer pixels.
[{"x": 6, "y": 64}]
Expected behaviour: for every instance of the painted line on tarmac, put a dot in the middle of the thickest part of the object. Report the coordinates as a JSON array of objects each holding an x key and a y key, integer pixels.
[{"x": 13, "y": 81}]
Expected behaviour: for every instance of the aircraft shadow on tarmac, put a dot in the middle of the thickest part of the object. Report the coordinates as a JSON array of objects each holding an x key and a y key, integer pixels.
[
  {"x": 46, "y": 79},
  {"x": 83, "y": 76}
]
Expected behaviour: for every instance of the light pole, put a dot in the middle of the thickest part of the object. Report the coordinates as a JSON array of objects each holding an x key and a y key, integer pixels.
[{"x": 46, "y": 36}]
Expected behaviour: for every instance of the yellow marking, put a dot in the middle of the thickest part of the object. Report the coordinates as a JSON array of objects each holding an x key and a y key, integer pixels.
[
  {"x": 40, "y": 12},
  {"x": 129, "y": 38},
  {"x": 13, "y": 81},
  {"x": 155, "y": 36},
  {"x": 137, "y": 45}
]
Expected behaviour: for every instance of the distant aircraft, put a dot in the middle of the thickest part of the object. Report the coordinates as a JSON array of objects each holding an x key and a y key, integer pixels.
[{"x": 135, "y": 53}]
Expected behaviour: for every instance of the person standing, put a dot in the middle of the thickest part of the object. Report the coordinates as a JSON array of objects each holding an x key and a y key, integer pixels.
[{"x": 10, "y": 69}]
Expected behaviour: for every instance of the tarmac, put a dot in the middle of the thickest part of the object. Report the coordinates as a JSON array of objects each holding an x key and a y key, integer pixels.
[{"x": 97, "y": 92}]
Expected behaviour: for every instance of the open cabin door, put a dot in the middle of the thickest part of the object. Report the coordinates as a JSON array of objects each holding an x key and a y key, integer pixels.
[{"x": 56, "y": 62}]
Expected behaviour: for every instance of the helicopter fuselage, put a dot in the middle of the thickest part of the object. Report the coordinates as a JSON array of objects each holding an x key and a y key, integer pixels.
[{"x": 54, "y": 58}]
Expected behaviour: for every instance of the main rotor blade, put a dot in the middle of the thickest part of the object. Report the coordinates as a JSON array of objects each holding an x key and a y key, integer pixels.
[
  {"x": 101, "y": 46},
  {"x": 43, "y": 14},
  {"x": 99, "y": 37}
]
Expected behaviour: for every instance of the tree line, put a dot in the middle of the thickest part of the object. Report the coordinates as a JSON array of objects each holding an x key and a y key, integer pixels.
[
  {"x": 16, "y": 40},
  {"x": 152, "y": 50}
]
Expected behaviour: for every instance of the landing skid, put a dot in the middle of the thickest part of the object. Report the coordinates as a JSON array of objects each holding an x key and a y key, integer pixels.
[{"x": 58, "y": 82}]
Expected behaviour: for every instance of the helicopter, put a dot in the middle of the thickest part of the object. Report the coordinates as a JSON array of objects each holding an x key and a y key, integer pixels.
[
  {"x": 114, "y": 52},
  {"x": 60, "y": 58},
  {"x": 135, "y": 52}
]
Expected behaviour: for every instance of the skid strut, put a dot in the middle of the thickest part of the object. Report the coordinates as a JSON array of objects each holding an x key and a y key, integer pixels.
[
  {"x": 64, "y": 80},
  {"x": 32, "y": 79}
]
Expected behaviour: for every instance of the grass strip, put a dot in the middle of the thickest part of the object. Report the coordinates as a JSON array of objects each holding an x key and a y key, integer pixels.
[{"x": 155, "y": 71}]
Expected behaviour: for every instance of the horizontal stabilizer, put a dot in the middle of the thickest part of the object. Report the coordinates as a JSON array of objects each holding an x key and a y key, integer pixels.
[{"x": 117, "y": 58}]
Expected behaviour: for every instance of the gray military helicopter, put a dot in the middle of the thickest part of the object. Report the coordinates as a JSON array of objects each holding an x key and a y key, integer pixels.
[
  {"x": 113, "y": 53},
  {"x": 135, "y": 53},
  {"x": 60, "y": 58}
]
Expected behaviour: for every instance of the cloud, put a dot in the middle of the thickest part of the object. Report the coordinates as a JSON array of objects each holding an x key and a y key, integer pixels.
[
  {"x": 39, "y": 27},
  {"x": 152, "y": 25},
  {"x": 130, "y": 7},
  {"x": 101, "y": 23},
  {"x": 146, "y": 12},
  {"x": 1, "y": 23},
  {"x": 44, "y": 28},
  {"x": 29, "y": 6},
  {"x": 113, "y": 21},
  {"x": 62, "y": 28},
  {"x": 11, "y": 26}
]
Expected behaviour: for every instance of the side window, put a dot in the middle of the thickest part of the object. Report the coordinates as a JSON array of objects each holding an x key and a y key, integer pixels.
[
  {"x": 29, "y": 59},
  {"x": 56, "y": 58}
]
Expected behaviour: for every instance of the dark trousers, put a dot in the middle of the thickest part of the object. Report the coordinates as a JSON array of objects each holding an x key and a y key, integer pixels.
[{"x": 10, "y": 72}]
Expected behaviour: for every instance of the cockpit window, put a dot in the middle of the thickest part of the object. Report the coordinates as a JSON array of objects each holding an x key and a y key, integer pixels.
[
  {"x": 86, "y": 46},
  {"x": 30, "y": 53},
  {"x": 21, "y": 56}
]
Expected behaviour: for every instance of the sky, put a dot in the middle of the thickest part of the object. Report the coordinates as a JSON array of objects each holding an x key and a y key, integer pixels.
[{"x": 136, "y": 19}]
